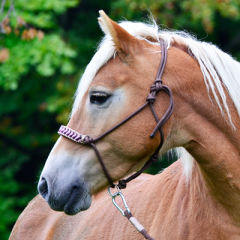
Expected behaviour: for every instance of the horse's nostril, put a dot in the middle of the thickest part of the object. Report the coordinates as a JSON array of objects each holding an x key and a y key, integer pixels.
[
  {"x": 43, "y": 187},
  {"x": 75, "y": 192},
  {"x": 75, "y": 187}
]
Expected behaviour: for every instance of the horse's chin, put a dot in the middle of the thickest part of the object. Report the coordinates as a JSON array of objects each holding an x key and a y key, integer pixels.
[{"x": 74, "y": 206}]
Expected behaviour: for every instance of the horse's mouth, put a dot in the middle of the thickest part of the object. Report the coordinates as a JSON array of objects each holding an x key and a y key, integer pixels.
[
  {"x": 71, "y": 206},
  {"x": 77, "y": 204},
  {"x": 71, "y": 198}
]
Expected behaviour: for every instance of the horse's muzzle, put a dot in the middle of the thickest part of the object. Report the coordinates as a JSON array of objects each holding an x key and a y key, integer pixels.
[{"x": 70, "y": 197}]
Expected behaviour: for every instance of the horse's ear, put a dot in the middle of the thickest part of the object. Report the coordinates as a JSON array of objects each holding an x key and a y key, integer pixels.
[
  {"x": 102, "y": 25},
  {"x": 124, "y": 42}
]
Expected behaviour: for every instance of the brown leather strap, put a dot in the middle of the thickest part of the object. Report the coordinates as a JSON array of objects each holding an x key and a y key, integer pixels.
[{"x": 103, "y": 166}]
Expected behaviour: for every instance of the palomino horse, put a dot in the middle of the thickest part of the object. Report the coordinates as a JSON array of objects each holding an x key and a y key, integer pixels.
[{"x": 195, "y": 198}]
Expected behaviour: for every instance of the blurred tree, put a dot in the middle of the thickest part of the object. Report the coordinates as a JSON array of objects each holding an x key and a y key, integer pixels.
[
  {"x": 177, "y": 14},
  {"x": 33, "y": 56},
  {"x": 214, "y": 21},
  {"x": 25, "y": 45},
  {"x": 45, "y": 46}
]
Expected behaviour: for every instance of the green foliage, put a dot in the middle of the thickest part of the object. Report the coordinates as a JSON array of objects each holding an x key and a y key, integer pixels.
[
  {"x": 9, "y": 188},
  {"x": 57, "y": 6},
  {"x": 34, "y": 59},
  {"x": 45, "y": 46},
  {"x": 186, "y": 13},
  {"x": 28, "y": 49},
  {"x": 46, "y": 56}
]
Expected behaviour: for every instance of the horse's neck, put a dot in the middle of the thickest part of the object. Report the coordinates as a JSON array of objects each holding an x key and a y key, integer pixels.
[
  {"x": 199, "y": 126},
  {"x": 216, "y": 148},
  {"x": 218, "y": 160}
]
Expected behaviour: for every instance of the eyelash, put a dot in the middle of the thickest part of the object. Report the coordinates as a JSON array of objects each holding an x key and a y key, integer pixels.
[{"x": 99, "y": 98}]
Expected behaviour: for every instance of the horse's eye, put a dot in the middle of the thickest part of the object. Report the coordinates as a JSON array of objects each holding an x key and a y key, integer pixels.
[{"x": 99, "y": 98}]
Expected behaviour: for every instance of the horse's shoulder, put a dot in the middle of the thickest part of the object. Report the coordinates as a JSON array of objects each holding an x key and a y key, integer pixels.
[
  {"x": 36, "y": 206},
  {"x": 32, "y": 221}
]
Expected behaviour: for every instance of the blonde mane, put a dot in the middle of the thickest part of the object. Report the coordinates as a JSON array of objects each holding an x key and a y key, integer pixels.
[{"x": 219, "y": 69}]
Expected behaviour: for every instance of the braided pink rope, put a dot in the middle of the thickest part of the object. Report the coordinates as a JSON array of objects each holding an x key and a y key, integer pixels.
[{"x": 71, "y": 134}]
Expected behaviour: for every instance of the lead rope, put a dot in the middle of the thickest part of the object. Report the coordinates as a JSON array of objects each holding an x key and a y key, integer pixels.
[
  {"x": 83, "y": 139},
  {"x": 127, "y": 213}
]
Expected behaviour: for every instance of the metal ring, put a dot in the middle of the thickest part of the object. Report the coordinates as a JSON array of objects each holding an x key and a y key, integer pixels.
[{"x": 114, "y": 194}]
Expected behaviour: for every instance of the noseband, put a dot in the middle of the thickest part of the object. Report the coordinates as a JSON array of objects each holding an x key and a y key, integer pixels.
[{"x": 155, "y": 88}]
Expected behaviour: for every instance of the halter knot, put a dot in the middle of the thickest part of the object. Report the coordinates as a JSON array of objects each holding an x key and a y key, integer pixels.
[
  {"x": 151, "y": 98},
  {"x": 154, "y": 158},
  {"x": 122, "y": 184},
  {"x": 157, "y": 86},
  {"x": 87, "y": 140}
]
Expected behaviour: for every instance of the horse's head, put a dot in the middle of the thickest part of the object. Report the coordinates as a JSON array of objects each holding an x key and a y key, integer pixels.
[{"x": 72, "y": 172}]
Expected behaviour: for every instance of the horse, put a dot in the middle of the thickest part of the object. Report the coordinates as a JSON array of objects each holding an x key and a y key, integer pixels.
[{"x": 198, "y": 196}]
